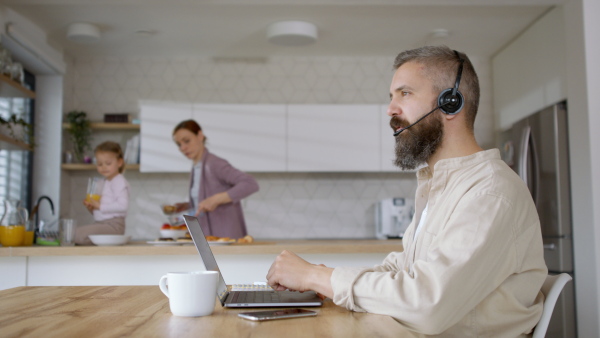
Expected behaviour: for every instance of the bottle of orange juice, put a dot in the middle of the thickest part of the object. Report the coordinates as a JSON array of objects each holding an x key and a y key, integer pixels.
[{"x": 12, "y": 224}]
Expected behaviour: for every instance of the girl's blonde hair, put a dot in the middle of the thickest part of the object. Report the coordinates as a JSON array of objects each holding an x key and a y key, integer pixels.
[{"x": 112, "y": 147}]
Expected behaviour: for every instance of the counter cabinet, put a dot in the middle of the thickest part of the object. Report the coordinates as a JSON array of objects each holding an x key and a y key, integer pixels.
[{"x": 139, "y": 263}]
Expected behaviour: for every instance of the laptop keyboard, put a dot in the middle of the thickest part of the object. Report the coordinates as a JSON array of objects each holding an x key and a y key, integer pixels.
[{"x": 254, "y": 297}]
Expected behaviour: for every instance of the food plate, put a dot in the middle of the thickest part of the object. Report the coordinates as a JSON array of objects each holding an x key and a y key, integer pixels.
[
  {"x": 168, "y": 243},
  {"x": 109, "y": 240},
  {"x": 171, "y": 209},
  {"x": 173, "y": 233},
  {"x": 220, "y": 243}
]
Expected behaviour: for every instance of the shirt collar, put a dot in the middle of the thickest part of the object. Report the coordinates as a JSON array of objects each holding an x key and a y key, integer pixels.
[{"x": 451, "y": 164}]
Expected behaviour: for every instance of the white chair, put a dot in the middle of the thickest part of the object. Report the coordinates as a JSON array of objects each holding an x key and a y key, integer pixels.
[{"x": 551, "y": 289}]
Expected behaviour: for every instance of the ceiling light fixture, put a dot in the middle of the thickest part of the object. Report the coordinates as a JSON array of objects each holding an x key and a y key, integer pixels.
[
  {"x": 439, "y": 33},
  {"x": 292, "y": 33},
  {"x": 145, "y": 32},
  {"x": 83, "y": 32}
]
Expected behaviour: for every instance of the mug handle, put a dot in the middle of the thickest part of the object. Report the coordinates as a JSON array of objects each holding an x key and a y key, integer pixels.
[{"x": 163, "y": 285}]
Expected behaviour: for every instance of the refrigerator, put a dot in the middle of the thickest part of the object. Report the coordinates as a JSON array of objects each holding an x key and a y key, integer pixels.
[{"x": 537, "y": 148}]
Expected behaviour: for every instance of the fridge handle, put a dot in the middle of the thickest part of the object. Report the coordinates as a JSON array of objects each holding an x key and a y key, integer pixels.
[
  {"x": 524, "y": 153},
  {"x": 528, "y": 149},
  {"x": 535, "y": 180}
]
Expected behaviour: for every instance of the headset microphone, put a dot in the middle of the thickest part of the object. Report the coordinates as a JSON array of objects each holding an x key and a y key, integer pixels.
[
  {"x": 450, "y": 101},
  {"x": 396, "y": 133}
]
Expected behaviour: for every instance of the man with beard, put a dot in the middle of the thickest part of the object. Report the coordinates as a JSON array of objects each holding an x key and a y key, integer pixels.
[{"x": 473, "y": 260}]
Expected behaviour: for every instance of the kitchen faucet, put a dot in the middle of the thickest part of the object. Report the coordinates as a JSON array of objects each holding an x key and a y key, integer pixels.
[{"x": 37, "y": 205}]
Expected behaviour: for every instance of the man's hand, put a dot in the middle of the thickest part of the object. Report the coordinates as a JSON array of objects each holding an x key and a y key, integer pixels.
[{"x": 289, "y": 271}]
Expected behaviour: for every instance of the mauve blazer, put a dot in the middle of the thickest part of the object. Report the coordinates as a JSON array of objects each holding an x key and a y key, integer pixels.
[{"x": 227, "y": 220}]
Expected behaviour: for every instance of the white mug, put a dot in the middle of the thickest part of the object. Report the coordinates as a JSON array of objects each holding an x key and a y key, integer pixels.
[{"x": 191, "y": 294}]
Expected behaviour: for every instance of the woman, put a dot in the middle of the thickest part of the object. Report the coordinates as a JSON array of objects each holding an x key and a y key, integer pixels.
[{"x": 216, "y": 187}]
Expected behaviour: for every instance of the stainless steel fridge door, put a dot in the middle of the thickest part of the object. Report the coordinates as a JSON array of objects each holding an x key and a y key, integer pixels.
[
  {"x": 549, "y": 163},
  {"x": 558, "y": 254},
  {"x": 541, "y": 159}
]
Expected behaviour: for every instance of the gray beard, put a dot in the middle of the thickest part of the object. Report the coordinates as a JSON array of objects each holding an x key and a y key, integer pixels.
[{"x": 416, "y": 145}]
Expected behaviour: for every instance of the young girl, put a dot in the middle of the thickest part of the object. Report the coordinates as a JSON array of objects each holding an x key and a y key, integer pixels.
[{"x": 109, "y": 213}]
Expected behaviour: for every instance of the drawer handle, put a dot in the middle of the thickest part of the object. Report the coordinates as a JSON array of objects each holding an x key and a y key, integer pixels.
[{"x": 551, "y": 246}]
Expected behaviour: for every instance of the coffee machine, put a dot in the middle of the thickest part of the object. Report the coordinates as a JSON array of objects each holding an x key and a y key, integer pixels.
[{"x": 393, "y": 216}]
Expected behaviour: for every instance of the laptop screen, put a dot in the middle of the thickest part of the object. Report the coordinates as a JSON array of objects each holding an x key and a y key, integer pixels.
[{"x": 205, "y": 253}]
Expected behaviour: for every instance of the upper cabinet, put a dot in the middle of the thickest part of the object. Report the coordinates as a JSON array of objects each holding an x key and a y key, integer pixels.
[
  {"x": 530, "y": 72},
  {"x": 272, "y": 137},
  {"x": 333, "y": 138},
  {"x": 388, "y": 141},
  {"x": 158, "y": 151},
  {"x": 250, "y": 136}
]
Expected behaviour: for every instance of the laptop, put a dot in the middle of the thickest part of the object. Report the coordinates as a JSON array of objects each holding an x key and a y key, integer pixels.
[{"x": 267, "y": 298}]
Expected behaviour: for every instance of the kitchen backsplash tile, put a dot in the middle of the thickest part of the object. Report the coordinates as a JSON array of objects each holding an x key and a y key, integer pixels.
[{"x": 289, "y": 205}]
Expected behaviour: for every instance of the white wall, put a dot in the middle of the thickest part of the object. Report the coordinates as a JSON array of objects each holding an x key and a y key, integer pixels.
[
  {"x": 47, "y": 154},
  {"x": 583, "y": 72},
  {"x": 28, "y": 45},
  {"x": 530, "y": 73},
  {"x": 533, "y": 73},
  {"x": 288, "y": 205}
]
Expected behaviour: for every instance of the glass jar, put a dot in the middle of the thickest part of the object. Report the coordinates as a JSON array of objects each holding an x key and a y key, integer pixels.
[{"x": 12, "y": 224}]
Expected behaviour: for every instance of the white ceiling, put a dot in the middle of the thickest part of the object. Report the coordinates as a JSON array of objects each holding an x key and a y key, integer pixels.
[{"x": 237, "y": 28}]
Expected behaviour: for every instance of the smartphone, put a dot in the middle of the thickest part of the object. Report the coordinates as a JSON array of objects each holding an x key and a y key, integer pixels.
[{"x": 277, "y": 314}]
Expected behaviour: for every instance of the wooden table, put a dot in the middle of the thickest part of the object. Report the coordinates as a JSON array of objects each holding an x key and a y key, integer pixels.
[{"x": 143, "y": 311}]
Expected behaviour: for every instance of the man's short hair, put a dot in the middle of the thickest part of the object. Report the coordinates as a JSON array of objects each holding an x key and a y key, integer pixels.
[{"x": 441, "y": 67}]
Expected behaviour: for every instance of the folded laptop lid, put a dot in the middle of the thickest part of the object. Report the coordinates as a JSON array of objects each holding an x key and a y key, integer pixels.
[{"x": 207, "y": 256}]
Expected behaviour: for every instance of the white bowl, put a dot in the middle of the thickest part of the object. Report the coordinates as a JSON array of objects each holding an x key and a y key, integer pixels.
[
  {"x": 173, "y": 233},
  {"x": 102, "y": 240}
]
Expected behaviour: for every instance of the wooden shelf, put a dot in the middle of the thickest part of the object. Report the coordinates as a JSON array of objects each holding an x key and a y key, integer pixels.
[
  {"x": 11, "y": 88},
  {"x": 109, "y": 126},
  {"x": 85, "y": 166},
  {"x": 9, "y": 143},
  {"x": 102, "y": 126}
]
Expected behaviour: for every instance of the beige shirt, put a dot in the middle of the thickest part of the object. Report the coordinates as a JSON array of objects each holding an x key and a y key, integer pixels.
[{"x": 477, "y": 266}]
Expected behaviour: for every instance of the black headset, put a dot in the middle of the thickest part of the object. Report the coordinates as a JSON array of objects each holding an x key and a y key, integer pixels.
[{"x": 451, "y": 101}]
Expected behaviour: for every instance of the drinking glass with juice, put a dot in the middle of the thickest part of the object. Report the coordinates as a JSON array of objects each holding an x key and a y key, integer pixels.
[
  {"x": 28, "y": 235},
  {"x": 94, "y": 188}
]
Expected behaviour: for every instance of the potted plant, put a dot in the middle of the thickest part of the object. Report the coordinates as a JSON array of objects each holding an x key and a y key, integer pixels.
[
  {"x": 18, "y": 129},
  {"x": 80, "y": 131}
]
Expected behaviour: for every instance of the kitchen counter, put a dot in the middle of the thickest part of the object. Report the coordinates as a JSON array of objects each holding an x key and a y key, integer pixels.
[
  {"x": 139, "y": 263},
  {"x": 321, "y": 246}
]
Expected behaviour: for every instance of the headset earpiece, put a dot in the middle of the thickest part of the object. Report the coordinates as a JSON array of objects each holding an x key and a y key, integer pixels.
[
  {"x": 451, "y": 100},
  {"x": 450, "y": 103}
]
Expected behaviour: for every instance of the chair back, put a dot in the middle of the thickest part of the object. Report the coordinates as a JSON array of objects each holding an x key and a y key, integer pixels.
[{"x": 553, "y": 286}]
